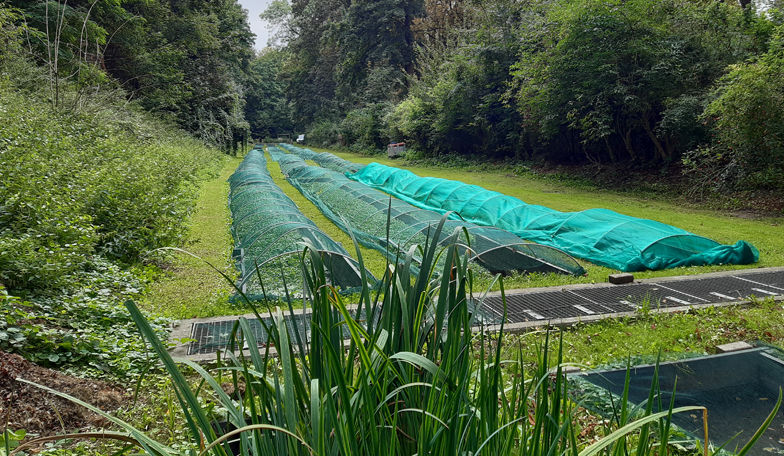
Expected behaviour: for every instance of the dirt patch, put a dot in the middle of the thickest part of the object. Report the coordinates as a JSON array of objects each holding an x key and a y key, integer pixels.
[
  {"x": 745, "y": 215},
  {"x": 39, "y": 412}
]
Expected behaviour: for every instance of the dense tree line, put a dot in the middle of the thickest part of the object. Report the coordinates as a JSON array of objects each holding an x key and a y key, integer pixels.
[
  {"x": 633, "y": 82},
  {"x": 191, "y": 61}
]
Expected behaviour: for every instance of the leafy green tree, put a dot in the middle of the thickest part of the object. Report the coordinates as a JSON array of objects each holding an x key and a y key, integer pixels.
[
  {"x": 747, "y": 120},
  {"x": 626, "y": 75},
  {"x": 309, "y": 72},
  {"x": 192, "y": 65},
  {"x": 266, "y": 107},
  {"x": 185, "y": 59},
  {"x": 376, "y": 45}
]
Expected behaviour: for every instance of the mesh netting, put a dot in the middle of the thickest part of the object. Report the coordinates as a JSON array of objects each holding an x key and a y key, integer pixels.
[
  {"x": 270, "y": 231},
  {"x": 739, "y": 390},
  {"x": 601, "y": 236},
  {"x": 324, "y": 159},
  {"x": 367, "y": 211},
  {"x": 277, "y": 155},
  {"x": 306, "y": 154}
]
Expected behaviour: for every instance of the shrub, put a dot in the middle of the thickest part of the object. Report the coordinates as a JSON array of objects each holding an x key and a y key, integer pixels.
[
  {"x": 365, "y": 128},
  {"x": 747, "y": 118},
  {"x": 73, "y": 185}
]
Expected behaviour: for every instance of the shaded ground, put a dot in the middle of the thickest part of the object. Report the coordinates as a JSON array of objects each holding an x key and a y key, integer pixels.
[
  {"x": 671, "y": 182},
  {"x": 38, "y": 412}
]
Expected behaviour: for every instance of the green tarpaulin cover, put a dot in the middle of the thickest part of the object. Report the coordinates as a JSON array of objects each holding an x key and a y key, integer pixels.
[{"x": 600, "y": 236}]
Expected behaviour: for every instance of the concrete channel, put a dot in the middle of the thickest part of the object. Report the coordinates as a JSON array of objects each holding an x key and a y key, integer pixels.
[{"x": 538, "y": 307}]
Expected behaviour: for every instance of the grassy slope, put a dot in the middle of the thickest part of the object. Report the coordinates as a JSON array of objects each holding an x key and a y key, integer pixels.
[
  {"x": 766, "y": 233},
  {"x": 193, "y": 288}
]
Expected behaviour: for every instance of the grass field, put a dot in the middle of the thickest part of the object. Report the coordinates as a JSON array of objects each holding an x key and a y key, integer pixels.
[{"x": 193, "y": 289}]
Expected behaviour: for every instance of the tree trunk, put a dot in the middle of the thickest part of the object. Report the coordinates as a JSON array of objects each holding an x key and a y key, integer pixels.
[
  {"x": 646, "y": 124},
  {"x": 610, "y": 149},
  {"x": 627, "y": 141},
  {"x": 669, "y": 146}
]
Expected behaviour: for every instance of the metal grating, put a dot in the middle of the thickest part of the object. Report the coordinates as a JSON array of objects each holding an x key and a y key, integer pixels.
[
  {"x": 212, "y": 336},
  {"x": 554, "y": 304},
  {"x": 581, "y": 302}
]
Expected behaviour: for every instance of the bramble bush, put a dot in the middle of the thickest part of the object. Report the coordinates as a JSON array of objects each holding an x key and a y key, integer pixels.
[
  {"x": 72, "y": 186},
  {"x": 87, "y": 190}
]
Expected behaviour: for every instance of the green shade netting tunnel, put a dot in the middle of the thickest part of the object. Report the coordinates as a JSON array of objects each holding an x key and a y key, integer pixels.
[
  {"x": 393, "y": 227},
  {"x": 600, "y": 236},
  {"x": 271, "y": 232},
  {"x": 324, "y": 159},
  {"x": 305, "y": 154}
]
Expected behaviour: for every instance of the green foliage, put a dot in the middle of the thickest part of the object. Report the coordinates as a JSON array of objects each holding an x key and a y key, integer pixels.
[
  {"x": 80, "y": 326},
  {"x": 266, "y": 108},
  {"x": 73, "y": 185},
  {"x": 347, "y": 56},
  {"x": 324, "y": 134},
  {"x": 85, "y": 179},
  {"x": 10, "y": 440},
  {"x": 376, "y": 50},
  {"x": 9, "y": 34},
  {"x": 365, "y": 128},
  {"x": 747, "y": 120},
  {"x": 577, "y": 82},
  {"x": 192, "y": 64},
  {"x": 185, "y": 60},
  {"x": 629, "y": 77},
  {"x": 14, "y": 334}
]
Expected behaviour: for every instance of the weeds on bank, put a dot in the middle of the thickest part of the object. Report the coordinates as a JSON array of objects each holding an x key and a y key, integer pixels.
[{"x": 676, "y": 334}]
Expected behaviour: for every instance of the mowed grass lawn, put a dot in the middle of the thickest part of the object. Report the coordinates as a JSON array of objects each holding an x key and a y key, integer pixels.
[
  {"x": 764, "y": 232},
  {"x": 191, "y": 287}
]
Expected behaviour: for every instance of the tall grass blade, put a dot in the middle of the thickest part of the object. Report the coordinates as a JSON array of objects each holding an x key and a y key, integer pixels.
[
  {"x": 192, "y": 409},
  {"x": 611, "y": 439},
  {"x": 252, "y": 427}
]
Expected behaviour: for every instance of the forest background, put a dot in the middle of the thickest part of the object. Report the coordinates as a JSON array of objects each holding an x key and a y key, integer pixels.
[{"x": 633, "y": 83}]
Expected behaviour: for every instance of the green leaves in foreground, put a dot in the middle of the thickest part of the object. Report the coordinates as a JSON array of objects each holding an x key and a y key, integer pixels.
[{"x": 402, "y": 375}]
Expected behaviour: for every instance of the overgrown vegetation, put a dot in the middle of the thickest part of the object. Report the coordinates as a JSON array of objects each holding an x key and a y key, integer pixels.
[{"x": 89, "y": 186}]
